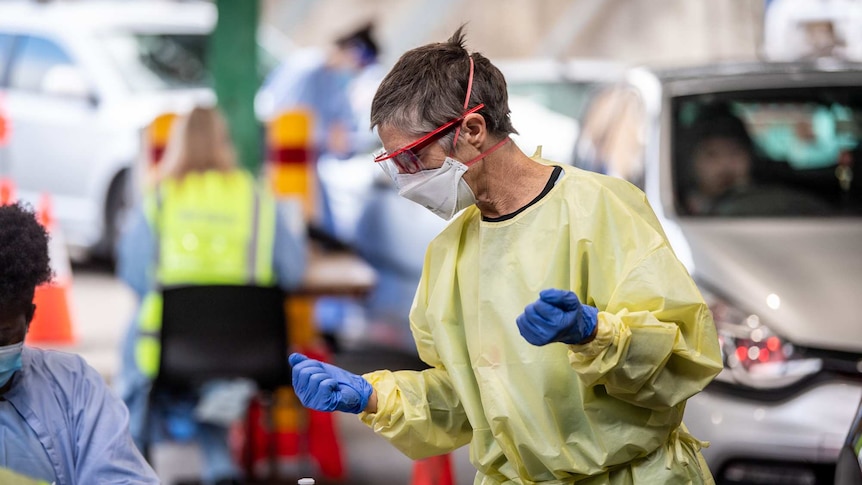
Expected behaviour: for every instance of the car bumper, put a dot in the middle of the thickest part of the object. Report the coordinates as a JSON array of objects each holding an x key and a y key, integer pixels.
[{"x": 810, "y": 427}]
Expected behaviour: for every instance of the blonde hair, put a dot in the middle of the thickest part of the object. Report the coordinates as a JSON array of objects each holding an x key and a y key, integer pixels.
[{"x": 199, "y": 142}]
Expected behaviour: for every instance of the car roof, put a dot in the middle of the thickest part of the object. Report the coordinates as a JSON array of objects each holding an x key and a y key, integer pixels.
[
  {"x": 737, "y": 69},
  {"x": 96, "y": 15},
  {"x": 758, "y": 75}
]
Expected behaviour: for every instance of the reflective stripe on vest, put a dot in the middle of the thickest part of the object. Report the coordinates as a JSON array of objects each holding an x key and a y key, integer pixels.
[{"x": 212, "y": 228}]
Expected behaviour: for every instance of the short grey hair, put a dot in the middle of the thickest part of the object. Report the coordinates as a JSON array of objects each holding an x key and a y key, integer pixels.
[{"x": 427, "y": 86}]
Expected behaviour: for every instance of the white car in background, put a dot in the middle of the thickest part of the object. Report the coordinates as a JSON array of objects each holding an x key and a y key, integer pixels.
[{"x": 79, "y": 81}]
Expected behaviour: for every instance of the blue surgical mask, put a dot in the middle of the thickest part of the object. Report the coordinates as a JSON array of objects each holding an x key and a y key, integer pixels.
[{"x": 10, "y": 361}]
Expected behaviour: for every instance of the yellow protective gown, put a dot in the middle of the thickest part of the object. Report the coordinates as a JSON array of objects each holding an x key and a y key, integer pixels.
[{"x": 609, "y": 411}]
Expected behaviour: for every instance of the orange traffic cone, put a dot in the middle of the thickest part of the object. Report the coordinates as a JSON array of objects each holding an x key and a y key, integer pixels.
[
  {"x": 435, "y": 470},
  {"x": 52, "y": 322},
  {"x": 7, "y": 191}
]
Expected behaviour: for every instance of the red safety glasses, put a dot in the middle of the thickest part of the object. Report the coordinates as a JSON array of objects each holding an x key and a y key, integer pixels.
[{"x": 405, "y": 160}]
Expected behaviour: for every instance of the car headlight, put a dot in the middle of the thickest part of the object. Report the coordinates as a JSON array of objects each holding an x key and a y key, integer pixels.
[{"x": 754, "y": 355}]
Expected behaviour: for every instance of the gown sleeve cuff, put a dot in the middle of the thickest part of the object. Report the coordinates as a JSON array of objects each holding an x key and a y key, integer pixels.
[
  {"x": 606, "y": 334},
  {"x": 384, "y": 384}
]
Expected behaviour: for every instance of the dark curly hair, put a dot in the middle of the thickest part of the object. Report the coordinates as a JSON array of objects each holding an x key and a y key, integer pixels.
[{"x": 24, "y": 262}]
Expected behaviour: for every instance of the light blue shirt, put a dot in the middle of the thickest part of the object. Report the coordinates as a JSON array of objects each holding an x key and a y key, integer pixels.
[
  {"x": 20, "y": 449},
  {"x": 306, "y": 81},
  {"x": 83, "y": 429}
]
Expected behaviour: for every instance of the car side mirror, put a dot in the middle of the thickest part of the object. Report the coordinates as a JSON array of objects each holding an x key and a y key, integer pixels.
[{"x": 68, "y": 81}]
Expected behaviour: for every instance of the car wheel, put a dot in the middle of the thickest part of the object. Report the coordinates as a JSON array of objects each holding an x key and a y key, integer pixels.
[{"x": 117, "y": 207}]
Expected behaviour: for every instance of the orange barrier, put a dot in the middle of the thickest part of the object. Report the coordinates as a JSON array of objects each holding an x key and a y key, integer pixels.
[
  {"x": 290, "y": 159},
  {"x": 435, "y": 470},
  {"x": 52, "y": 322},
  {"x": 158, "y": 134},
  {"x": 153, "y": 144}
]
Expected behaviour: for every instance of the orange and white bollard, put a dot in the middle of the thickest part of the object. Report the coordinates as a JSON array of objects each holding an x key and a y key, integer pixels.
[{"x": 290, "y": 159}]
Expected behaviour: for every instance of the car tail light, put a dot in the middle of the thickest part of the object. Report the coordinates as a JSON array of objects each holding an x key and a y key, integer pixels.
[{"x": 753, "y": 355}]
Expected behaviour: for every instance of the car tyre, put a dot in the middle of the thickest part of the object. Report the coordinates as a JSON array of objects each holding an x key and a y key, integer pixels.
[{"x": 117, "y": 208}]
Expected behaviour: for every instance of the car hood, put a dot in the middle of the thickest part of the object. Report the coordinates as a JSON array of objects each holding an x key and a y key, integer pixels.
[{"x": 803, "y": 278}]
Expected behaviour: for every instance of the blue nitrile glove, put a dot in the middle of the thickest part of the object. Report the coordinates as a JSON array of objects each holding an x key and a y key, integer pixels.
[
  {"x": 557, "y": 316},
  {"x": 325, "y": 387}
]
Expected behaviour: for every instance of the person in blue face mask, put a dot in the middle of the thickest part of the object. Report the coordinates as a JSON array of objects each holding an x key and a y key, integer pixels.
[{"x": 59, "y": 422}]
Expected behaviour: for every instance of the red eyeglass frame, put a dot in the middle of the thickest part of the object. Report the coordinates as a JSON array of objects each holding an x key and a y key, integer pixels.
[{"x": 429, "y": 138}]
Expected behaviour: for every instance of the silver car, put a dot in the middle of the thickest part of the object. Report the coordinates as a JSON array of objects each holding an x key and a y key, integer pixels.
[{"x": 753, "y": 171}]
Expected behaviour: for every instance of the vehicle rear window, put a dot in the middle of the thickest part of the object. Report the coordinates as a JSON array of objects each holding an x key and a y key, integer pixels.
[{"x": 770, "y": 153}]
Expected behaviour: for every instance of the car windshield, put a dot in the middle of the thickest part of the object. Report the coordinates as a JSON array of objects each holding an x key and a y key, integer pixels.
[
  {"x": 157, "y": 61},
  {"x": 787, "y": 153}
]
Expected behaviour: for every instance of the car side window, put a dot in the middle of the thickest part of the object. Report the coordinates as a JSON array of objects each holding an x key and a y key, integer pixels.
[
  {"x": 6, "y": 41},
  {"x": 34, "y": 58},
  {"x": 613, "y": 131}
]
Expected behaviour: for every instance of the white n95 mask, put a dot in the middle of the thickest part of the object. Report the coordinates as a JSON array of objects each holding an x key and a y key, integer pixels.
[{"x": 441, "y": 190}]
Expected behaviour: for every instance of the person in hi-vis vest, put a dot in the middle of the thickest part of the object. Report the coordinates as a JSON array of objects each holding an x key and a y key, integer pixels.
[{"x": 206, "y": 221}]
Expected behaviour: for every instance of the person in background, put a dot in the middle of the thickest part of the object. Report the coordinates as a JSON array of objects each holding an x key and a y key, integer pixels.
[
  {"x": 59, "y": 421},
  {"x": 334, "y": 86},
  {"x": 321, "y": 82},
  {"x": 197, "y": 227},
  {"x": 720, "y": 160},
  {"x": 562, "y": 333},
  {"x": 362, "y": 87}
]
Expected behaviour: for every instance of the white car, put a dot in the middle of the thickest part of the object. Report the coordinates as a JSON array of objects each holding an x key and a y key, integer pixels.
[{"x": 79, "y": 81}]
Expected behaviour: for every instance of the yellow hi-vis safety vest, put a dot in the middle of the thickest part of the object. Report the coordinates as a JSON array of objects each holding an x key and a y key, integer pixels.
[{"x": 211, "y": 228}]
